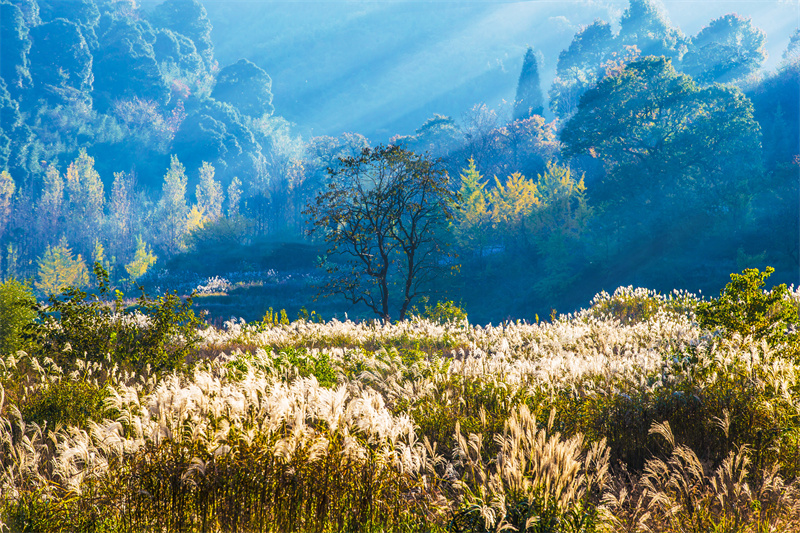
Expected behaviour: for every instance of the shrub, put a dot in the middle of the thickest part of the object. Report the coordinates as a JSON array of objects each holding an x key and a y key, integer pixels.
[
  {"x": 442, "y": 313},
  {"x": 158, "y": 332},
  {"x": 65, "y": 402},
  {"x": 17, "y": 310},
  {"x": 744, "y": 307}
]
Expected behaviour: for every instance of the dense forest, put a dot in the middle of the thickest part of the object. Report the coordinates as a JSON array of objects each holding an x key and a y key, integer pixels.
[{"x": 667, "y": 161}]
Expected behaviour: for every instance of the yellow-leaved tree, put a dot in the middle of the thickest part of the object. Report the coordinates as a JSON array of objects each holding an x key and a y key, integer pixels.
[
  {"x": 473, "y": 218},
  {"x": 58, "y": 269},
  {"x": 143, "y": 259},
  {"x": 513, "y": 202}
]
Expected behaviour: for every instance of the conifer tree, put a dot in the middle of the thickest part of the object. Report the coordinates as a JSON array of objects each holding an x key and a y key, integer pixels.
[
  {"x": 529, "y": 100},
  {"x": 58, "y": 269},
  {"x": 143, "y": 259},
  {"x": 209, "y": 193},
  {"x": 85, "y": 202},
  {"x": 50, "y": 205},
  {"x": 172, "y": 211},
  {"x": 512, "y": 204},
  {"x": 473, "y": 218}
]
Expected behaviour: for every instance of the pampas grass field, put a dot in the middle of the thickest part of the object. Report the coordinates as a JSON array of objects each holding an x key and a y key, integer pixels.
[{"x": 641, "y": 413}]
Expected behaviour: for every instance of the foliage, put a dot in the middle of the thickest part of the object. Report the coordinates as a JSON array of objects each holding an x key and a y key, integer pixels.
[
  {"x": 645, "y": 25},
  {"x": 529, "y": 100},
  {"x": 417, "y": 425},
  {"x": 442, "y": 313},
  {"x": 143, "y": 259},
  {"x": 58, "y": 270},
  {"x": 473, "y": 218},
  {"x": 173, "y": 212},
  {"x": 65, "y": 403},
  {"x": 246, "y": 87},
  {"x": 382, "y": 213},
  {"x": 744, "y": 307},
  {"x": 17, "y": 310},
  {"x": 158, "y": 334},
  {"x": 693, "y": 152},
  {"x": 729, "y": 48}
]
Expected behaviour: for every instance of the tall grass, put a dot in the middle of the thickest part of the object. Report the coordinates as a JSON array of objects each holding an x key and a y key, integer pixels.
[{"x": 627, "y": 416}]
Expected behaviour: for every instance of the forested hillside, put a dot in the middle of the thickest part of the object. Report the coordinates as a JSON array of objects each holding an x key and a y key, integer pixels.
[{"x": 628, "y": 151}]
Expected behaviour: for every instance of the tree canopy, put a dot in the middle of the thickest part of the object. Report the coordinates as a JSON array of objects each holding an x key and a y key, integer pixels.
[
  {"x": 381, "y": 216},
  {"x": 662, "y": 139},
  {"x": 729, "y": 48}
]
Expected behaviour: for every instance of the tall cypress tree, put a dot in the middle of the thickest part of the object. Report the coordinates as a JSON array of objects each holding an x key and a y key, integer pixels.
[{"x": 529, "y": 100}]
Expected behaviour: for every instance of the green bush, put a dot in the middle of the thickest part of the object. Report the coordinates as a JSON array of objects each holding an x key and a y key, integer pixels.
[
  {"x": 66, "y": 402},
  {"x": 744, "y": 307},
  {"x": 442, "y": 312},
  {"x": 160, "y": 332},
  {"x": 17, "y": 310}
]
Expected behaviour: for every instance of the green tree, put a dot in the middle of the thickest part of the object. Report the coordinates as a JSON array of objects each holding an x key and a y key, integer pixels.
[
  {"x": 17, "y": 309},
  {"x": 382, "y": 216},
  {"x": 60, "y": 42},
  {"x": 172, "y": 211},
  {"x": 143, "y": 259},
  {"x": 675, "y": 151},
  {"x": 437, "y": 136},
  {"x": 14, "y": 64},
  {"x": 646, "y": 26},
  {"x": 578, "y": 67},
  {"x": 245, "y": 86},
  {"x": 189, "y": 18},
  {"x": 557, "y": 224},
  {"x": 728, "y": 49},
  {"x": 85, "y": 199},
  {"x": 744, "y": 307},
  {"x": 529, "y": 100},
  {"x": 473, "y": 218},
  {"x": 127, "y": 68},
  {"x": 209, "y": 193},
  {"x": 513, "y": 202},
  {"x": 58, "y": 269},
  {"x": 563, "y": 207}
]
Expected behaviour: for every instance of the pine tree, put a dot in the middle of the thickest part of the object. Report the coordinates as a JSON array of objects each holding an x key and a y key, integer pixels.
[
  {"x": 172, "y": 212},
  {"x": 58, "y": 269},
  {"x": 143, "y": 259},
  {"x": 85, "y": 202},
  {"x": 473, "y": 218},
  {"x": 529, "y": 100},
  {"x": 209, "y": 193},
  {"x": 7, "y": 189}
]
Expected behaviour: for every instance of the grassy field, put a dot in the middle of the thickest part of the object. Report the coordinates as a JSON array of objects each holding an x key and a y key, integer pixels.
[{"x": 643, "y": 412}]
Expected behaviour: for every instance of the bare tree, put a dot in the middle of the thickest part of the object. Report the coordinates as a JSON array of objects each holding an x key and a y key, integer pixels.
[{"x": 382, "y": 216}]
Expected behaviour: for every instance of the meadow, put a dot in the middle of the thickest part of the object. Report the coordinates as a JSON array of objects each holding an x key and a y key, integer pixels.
[{"x": 641, "y": 412}]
